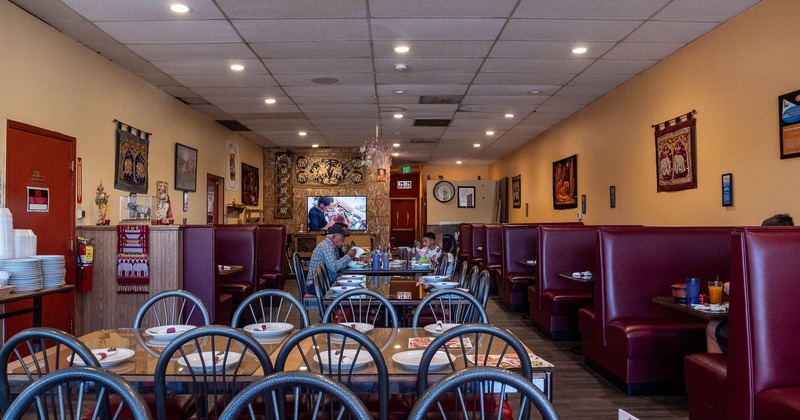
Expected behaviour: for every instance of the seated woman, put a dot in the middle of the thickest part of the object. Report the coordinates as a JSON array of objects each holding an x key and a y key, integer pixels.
[{"x": 445, "y": 263}]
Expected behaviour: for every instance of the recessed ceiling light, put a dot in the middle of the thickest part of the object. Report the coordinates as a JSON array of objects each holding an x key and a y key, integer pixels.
[
  {"x": 509, "y": 115},
  {"x": 315, "y": 145},
  {"x": 458, "y": 162},
  {"x": 237, "y": 67},
  {"x": 490, "y": 133},
  {"x": 396, "y": 145},
  {"x": 398, "y": 116},
  {"x": 270, "y": 101},
  {"x": 401, "y": 49},
  {"x": 400, "y": 67},
  {"x": 179, "y": 8},
  {"x": 399, "y": 92},
  {"x": 395, "y": 154},
  {"x": 476, "y": 145},
  {"x": 535, "y": 92},
  {"x": 302, "y": 133},
  {"x": 579, "y": 50}
]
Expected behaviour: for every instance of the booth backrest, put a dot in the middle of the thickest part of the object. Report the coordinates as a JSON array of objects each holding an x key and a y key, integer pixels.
[
  {"x": 492, "y": 241},
  {"x": 565, "y": 249},
  {"x": 637, "y": 264},
  {"x": 236, "y": 245},
  {"x": 519, "y": 243},
  {"x": 199, "y": 268},
  {"x": 764, "y": 317},
  {"x": 465, "y": 240},
  {"x": 271, "y": 248},
  {"x": 477, "y": 241}
]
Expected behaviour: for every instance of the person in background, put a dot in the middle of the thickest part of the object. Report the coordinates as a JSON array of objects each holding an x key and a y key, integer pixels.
[
  {"x": 316, "y": 216},
  {"x": 327, "y": 252},
  {"x": 429, "y": 250},
  {"x": 445, "y": 263},
  {"x": 717, "y": 331}
]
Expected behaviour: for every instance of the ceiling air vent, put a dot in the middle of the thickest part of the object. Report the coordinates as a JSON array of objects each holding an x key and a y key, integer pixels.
[
  {"x": 422, "y": 141},
  {"x": 440, "y": 99},
  {"x": 431, "y": 122},
  {"x": 192, "y": 100},
  {"x": 233, "y": 125}
]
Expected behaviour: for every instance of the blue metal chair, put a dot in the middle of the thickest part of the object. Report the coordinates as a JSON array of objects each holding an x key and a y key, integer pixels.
[
  {"x": 309, "y": 301},
  {"x": 270, "y": 305},
  {"x": 450, "y": 306},
  {"x": 266, "y": 398},
  {"x": 34, "y": 344},
  {"x": 173, "y": 307},
  {"x": 55, "y": 396},
  {"x": 481, "y": 384}
]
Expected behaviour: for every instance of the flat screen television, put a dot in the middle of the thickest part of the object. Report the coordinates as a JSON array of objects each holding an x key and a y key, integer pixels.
[{"x": 351, "y": 210}]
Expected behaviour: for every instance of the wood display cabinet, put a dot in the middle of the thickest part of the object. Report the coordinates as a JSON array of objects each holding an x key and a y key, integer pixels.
[{"x": 304, "y": 243}]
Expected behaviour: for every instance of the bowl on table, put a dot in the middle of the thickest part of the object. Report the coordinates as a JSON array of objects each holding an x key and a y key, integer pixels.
[{"x": 679, "y": 292}]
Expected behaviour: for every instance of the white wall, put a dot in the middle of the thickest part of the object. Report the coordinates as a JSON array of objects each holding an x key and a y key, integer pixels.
[{"x": 485, "y": 204}]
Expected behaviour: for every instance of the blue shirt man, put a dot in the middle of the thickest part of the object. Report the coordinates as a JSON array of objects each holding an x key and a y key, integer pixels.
[{"x": 327, "y": 252}]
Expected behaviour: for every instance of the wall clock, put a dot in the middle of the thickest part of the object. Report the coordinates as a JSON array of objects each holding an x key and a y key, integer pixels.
[{"x": 443, "y": 191}]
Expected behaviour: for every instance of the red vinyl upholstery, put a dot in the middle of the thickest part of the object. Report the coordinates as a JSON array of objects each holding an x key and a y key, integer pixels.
[
  {"x": 476, "y": 254},
  {"x": 271, "y": 257},
  {"x": 519, "y": 243},
  {"x": 492, "y": 241},
  {"x": 236, "y": 245}
]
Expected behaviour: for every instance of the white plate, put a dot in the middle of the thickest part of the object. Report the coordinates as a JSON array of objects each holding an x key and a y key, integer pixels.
[
  {"x": 356, "y": 264},
  {"x": 433, "y": 279},
  {"x": 410, "y": 359},
  {"x": 353, "y": 276},
  {"x": 113, "y": 358},
  {"x": 161, "y": 333},
  {"x": 196, "y": 364},
  {"x": 420, "y": 265},
  {"x": 351, "y": 282},
  {"x": 348, "y": 357},
  {"x": 445, "y": 285},
  {"x": 361, "y": 327},
  {"x": 445, "y": 326},
  {"x": 268, "y": 329},
  {"x": 338, "y": 290}
]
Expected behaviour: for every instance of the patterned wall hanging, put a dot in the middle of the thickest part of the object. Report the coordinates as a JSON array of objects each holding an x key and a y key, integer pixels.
[
  {"x": 132, "y": 148},
  {"x": 250, "y": 185},
  {"x": 232, "y": 165},
  {"x": 283, "y": 185},
  {"x": 676, "y": 153},
  {"x": 328, "y": 172}
]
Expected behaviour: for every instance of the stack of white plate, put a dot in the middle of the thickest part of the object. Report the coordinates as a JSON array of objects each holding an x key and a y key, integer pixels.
[
  {"x": 6, "y": 234},
  {"x": 24, "y": 243},
  {"x": 26, "y": 274},
  {"x": 53, "y": 270}
]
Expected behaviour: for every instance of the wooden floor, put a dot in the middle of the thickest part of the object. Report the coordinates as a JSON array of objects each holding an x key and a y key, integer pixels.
[{"x": 578, "y": 391}]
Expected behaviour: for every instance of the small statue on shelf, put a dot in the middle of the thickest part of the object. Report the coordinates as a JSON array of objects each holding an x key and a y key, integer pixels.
[
  {"x": 164, "y": 209},
  {"x": 101, "y": 199}
]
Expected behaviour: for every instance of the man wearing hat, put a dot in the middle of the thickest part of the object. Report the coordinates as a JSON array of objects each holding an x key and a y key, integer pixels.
[{"x": 327, "y": 252}]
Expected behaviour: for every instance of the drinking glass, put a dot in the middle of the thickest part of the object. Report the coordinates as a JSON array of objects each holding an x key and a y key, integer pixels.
[
  {"x": 715, "y": 292},
  {"x": 692, "y": 290}
]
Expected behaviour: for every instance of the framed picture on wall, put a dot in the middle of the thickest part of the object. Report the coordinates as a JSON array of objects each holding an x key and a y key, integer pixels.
[
  {"x": 466, "y": 197},
  {"x": 565, "y": 183},
  {"x": 185, "y": 168},
  {"x": 727, "y": 190},
  {"x": 516, "y": 192},
  {"x": 250, "y": 185}
]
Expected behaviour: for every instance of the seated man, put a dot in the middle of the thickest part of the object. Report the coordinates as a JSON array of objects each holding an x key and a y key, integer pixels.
[{"x": 327, "y": 252}]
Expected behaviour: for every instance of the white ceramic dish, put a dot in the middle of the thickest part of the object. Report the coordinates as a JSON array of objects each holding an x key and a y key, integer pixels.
[
  {"x": 351, "y": 282},
  {"x": 168, "y": 332},
  {"x": 347, "y": 357},
  {"x": 338, "y": 290},
  {"x": 356, "y": 264},
  {"x": 445, "y": 285},
  {"x": 410, "y": 359},
  {"x": 195, "y": 361},
  {"x": 352, "y": 277},
  {"x": 433, "y": 330},
  {"x": 434, "y": 279},
  {"x": 361, "y": 327},
  {"x": 112, "y": 357},
  {"x": 268, "y": 329}
]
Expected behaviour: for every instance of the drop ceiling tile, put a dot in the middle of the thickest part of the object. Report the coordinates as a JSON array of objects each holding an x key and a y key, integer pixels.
[
  {"x": 319, "y": 65},
  {"x": 295, "y": 124},
  {"x": 227, "y": 81},
  {"x": 308, "y": 100},
  {"x": 412, "y": 90},
  {"x": 125, "y": 10},
  {"x": 430, "y": 64},
  {"x": 558, "y": 109},
  {"x": 247, "y": 100},
  {"x": 441, "y": 29},
  {"x": 212, "y": 112},
  {"x": 49, "y": 11},
  {"x": 329, "y": 90},
  {"x": 125, "y": 58},
  {"x": 568, "y": 30},
  {"x": 586, "y": 79},
  {"x": 315, "y": 49},
  {"x": 537, "y": 65},
  {"x": 499, "y": 110},
  {"x": 197, "y": 67},
  {"x": 397, "y": 101},
  {"x": 670, "y": 31},
  {"x": 305, "y": 79},
  {"x": 223, "y": 51},
  {"x": 643, "y": 50},
  {"x": 703, "y": 10},
  {"x": 257, "y": 108},
  {"x": 159, "y": 80},
  {"x": 425, "y": 48},
  {"x": 414, "y": 110},
  {"x": 165, "y": 32},
  {"x": 595, "y": 9},
  {"x": 521, "y": 78},
  {"x": 438, "y": 9},
  {"x": 262, "y": 92},
  {"x": 548, "y": 49},
  {"x": 295, "y": 30},
  {"x": 85, "y": 32},
  {"x": 560, "y": 100},
  {"x": 504, "y": 90},
  {"x": 260, "y": 9},
  {"x": 595, "y": 91},
  {"x": 620, "y": 66},
  {"x": 432, "y": 78},
  {"x": 354, "y": 108},
  {"x": 179, "y": 91},
  {"x": 508, "y": 100},
  {"x": 485, "y": 125}
]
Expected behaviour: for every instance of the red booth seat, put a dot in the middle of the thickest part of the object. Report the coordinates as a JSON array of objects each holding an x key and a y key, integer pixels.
[
  {"x": 637, "y": 344},
  {"x": 492, "y": 241},
  {"x": 519, "y": 243},
  {"x": 271, "y": 257}
]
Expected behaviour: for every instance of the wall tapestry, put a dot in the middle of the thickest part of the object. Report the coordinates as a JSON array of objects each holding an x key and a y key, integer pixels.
[
  {"x": 250, "y": 185},
  {"x": 283, "y": 185},
  {"x": 565, "y": 183},
  {"x": 516, "y": 191},
  {"x": 232, "y": 165},
  {"x": 676, "y": 153},
  {"x": 312, "y": 171},
  {"x": 132, "y": 159}
]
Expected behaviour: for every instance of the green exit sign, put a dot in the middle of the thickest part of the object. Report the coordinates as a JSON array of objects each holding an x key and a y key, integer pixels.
[{"x": 406, "y": 170}]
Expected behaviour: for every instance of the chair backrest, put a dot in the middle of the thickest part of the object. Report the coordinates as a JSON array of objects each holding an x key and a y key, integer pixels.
[
  {"x": 334, "y": 346},
  {"x": 485, "y": 382},
  {"x": 362, "y": 306},
  {"x": 299, "y": 274},
  {"x": 321, "y": 286},
  {"x": 451, "y": 306},
  {"x": 480, "y": 288},
  {"x": 43, "y": 350},
  {"x": 173, "y": 307},
  {"x": 472, "y": 279},
  {"x": 330, "y": 399},
  {"x": 220, "y": 360},
  {"x": 463, "y": 274},
  {"x": 55, "y": 400},
  {"x": 268, "y": 306}
]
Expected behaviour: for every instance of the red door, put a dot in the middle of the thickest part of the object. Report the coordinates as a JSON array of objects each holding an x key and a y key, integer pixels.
[
  {"x": 40, "y": 158},
  {"x": 404, "y": 220}
]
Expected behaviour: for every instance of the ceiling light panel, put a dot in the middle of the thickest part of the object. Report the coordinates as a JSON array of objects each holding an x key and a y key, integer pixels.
[{"x": 505, "y": 90}]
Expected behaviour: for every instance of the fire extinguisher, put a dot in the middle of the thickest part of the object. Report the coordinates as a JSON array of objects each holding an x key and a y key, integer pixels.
[{"x": 85, "y": 259}]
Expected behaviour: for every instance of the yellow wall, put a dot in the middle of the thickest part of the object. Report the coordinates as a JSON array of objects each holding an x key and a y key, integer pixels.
[
  {"x": 485, "y": 209},
  {"x": 451, "y": 172},
  {"x": 732, "y": 77},
  {"x": 50, "y": 81}
]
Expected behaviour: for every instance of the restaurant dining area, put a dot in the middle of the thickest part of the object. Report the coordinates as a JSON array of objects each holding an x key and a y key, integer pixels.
[{"x": 557, "y": 209}]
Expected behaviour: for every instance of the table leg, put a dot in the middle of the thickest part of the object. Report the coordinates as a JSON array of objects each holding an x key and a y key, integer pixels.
[{"x": 37, "y": 311}]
